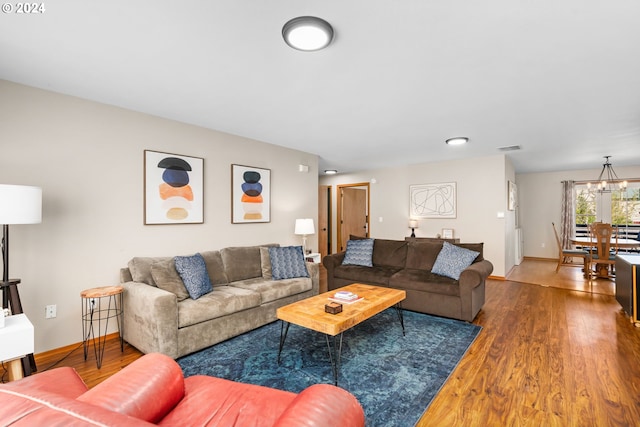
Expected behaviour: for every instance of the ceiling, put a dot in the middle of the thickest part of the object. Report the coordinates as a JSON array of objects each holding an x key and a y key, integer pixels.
[{"x": 560, "y": 79}]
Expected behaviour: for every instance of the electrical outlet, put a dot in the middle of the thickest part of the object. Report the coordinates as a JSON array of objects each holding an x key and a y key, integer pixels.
[
  {"x": 50, "y": 311},
  {"x": 543, "y": 245}
]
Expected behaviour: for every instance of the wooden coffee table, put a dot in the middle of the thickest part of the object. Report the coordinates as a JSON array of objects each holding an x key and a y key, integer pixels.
[{"x": 309, "y": 313}]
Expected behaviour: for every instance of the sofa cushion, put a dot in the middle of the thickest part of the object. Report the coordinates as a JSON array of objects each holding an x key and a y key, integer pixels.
[
  {"x": 193, "y": 272},
  {"x": 265, "y": 263},
  {"x": 422, "y": 255},
  {"x": 477, "y": 247},
  {"x": 360, "y": 274},
  {"x": 222, "y": 301},
  {"x": 425, "y": 281},
  {"x": 272, "y": 290},
  {"x": 215, "y": 267},
  {"x": 390, "y": 253},
  {"x": 359, "y": 252},
  {"x": 211, "y": 401},
  {"x": 166, "y": 277},
  {"x": 452, "y": 260},
  {"x": 140, "y": 268},
  {"x": 241, "y": 263},
  {"x": 287, "y": 262}
]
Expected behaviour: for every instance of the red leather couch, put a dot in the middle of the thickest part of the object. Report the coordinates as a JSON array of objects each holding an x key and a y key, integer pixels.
[{"x": 153, "y": 391}]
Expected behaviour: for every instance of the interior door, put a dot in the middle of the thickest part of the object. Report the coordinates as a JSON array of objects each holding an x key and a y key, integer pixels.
[
  {"x": 353, "y": 213},
  {"x": 324, "y": 220}
]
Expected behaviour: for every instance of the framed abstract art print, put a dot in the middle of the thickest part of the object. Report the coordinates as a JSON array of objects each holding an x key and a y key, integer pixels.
[
  {"x": 173, "y": 189},
  {"x": 250, "y": 194}
]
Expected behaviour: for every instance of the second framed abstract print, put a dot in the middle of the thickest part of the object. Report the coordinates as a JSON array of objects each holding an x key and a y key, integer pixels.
[{"x": 250, "y": 194}]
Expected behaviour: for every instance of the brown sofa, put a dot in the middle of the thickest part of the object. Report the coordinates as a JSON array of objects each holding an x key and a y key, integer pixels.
[{"x": 407, "y": 265}]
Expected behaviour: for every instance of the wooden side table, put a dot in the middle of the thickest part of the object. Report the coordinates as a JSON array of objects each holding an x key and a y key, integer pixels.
[
  {"x": 98, "y": 306},
  {"x": 16, "y": 341}
]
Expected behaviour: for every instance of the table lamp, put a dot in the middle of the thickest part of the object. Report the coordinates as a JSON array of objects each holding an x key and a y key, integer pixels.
[
  {"x": 304, "y": 227},
  {"x": 413, "y": 224}
]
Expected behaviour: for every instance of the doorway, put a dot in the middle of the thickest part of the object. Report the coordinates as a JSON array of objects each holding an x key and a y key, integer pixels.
[{"x": 353, "y": 212}]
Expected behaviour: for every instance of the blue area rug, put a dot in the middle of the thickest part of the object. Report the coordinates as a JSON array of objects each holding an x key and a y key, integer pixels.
[{"x": 395, "y": 378}]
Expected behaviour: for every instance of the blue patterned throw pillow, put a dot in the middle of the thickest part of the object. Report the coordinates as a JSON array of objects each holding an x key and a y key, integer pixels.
[
  {"x": 287, "y": 262},
  {"x": 452, "y": 260},
  {"x": 359, "y": 252},
  {"x": 193, "y": 272}
]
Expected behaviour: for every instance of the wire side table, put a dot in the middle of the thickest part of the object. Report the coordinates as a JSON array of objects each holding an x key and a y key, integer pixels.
[{"x": 99, "y": 305}]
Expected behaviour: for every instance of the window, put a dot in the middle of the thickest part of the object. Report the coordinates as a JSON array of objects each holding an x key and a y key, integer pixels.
[{"x": 620, "y": 208}]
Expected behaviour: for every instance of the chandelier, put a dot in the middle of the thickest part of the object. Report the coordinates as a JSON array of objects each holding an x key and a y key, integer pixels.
[{"x": 608, "y": 181}]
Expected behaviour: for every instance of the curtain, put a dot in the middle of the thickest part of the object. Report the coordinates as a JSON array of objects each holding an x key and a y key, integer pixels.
[{"x": 568, "y": 223}]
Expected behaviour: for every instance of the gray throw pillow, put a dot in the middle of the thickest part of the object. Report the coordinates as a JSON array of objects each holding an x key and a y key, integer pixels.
[
  {"x": 265, "y": 263},
  {"x": 453, "y": 260},
  {"x": 287, "y": 262},
  {"x": 193, "y": 272},
  {"x": 140, "y": 269},
  {"x": 359, "y": 252},
  {"x": 166, "y": 277}
]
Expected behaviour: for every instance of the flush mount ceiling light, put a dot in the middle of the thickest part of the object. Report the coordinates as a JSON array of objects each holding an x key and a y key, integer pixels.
[
  {"x": 458, "y": 140},
  {"x": 307, "y": 33},
  {"x": 331, "y": 171}
]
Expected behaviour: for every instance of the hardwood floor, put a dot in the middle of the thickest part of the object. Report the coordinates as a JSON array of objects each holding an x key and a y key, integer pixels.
[
  {"x": 555, "y": 350},
  {"x": 548, "y": 355}
]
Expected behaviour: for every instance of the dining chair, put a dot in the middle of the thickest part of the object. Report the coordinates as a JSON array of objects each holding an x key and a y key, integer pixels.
[
  {"x": 601, "y": 252},
  {"x": 570, "y": 253}
]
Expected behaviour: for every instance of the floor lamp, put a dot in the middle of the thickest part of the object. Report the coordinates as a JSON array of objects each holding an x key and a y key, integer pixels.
[{"x": 19, "y": 204}]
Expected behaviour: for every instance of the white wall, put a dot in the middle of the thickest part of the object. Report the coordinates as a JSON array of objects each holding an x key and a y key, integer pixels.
[
  {"x": 88, "y": 159},
  {"x": 541, "y": 201},
  {"x": 481, "y": 194}
]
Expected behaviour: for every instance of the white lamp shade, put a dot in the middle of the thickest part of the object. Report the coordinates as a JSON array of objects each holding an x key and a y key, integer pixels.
[
  {"x": 304, "y": 226},
  {"x": 20, "y": 204},
  {"x": 413, "y": 223}
]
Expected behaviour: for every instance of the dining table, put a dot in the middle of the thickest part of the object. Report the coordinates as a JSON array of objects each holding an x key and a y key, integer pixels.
[{"x": 619, "y": 243}]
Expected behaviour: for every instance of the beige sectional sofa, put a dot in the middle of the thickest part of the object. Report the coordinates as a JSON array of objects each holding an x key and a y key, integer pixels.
[{"x": 159, "y": 315}]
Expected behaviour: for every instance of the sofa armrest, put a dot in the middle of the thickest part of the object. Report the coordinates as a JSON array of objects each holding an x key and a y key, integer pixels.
[
  {"x": 472, "y": 288},
  {"x": 330, "y": 262},
  {"x": 314, "y": 273},
  {"x": 475, "y": 274},
  {"x": 322, "y": 405},
  {"x": 147, "y": 389},
  {"x": 333, "y": 260},
  {"x": 150, "y": 319}
]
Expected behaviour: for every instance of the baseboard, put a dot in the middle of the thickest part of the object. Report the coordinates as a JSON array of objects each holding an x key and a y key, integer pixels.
[
  {"x": 70, "y": 347},
  {"x": 531, "y": 258}
]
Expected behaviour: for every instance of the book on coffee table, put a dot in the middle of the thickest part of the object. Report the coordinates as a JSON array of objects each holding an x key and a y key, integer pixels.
[
  {"x": 341, "y": 301},
  {"x": 345, "y": 297}
]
